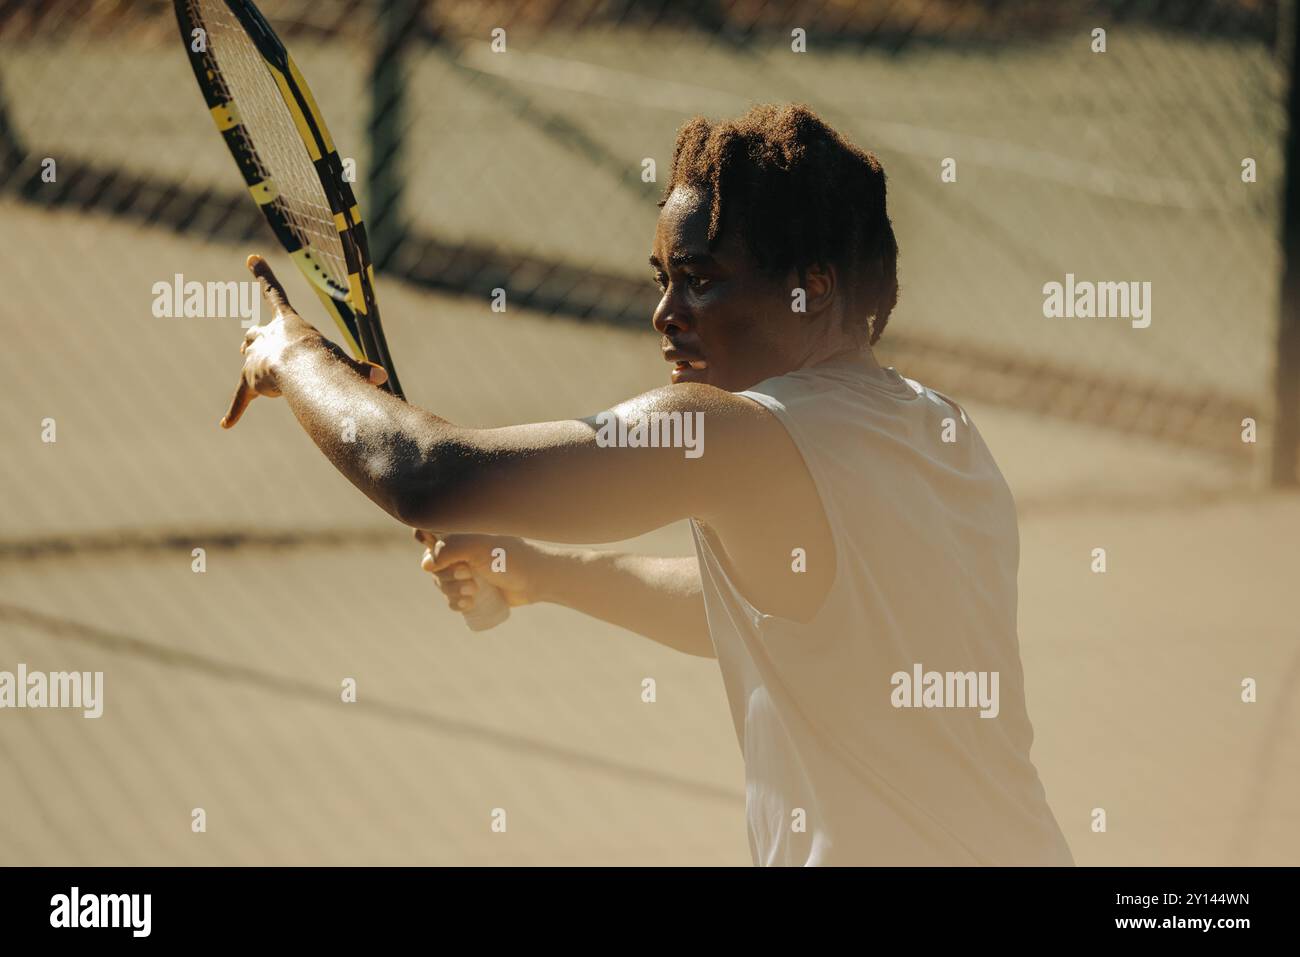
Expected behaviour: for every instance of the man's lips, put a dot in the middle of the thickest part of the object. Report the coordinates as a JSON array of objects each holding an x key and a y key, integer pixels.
[
  {"x": 685, "y": 360},
  {"x": 687, "y": 367}
]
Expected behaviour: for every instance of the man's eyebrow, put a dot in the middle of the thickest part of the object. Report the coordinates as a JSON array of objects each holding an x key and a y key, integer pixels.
[{"x": 678, "y": 260}]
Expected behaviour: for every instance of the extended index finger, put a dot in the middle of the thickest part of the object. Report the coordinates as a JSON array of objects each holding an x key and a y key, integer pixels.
[{"x": 271, "y": 287}]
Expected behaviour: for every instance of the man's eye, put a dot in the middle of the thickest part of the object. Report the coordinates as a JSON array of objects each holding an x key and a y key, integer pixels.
[
  {"x": 661, "y": 280},
  {"x": 698, "y": 282}
]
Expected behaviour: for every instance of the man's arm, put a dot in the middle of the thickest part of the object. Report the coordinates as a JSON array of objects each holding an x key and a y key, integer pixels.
[
  {"x": 554, "y": 480},
  {"x": 660, "y": 598},
  {"x": 549, "y": 480}
]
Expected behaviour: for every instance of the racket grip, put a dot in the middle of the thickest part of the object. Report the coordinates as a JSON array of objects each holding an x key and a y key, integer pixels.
[{"x": 490, "y": 607}]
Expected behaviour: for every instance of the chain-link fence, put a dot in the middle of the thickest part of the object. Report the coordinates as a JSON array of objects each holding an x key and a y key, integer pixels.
[{"x": 515, "y": 159}]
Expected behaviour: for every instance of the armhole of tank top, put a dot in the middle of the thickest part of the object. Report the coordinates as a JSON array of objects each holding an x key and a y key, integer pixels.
[
  {"x": 830, "y": 508},
  {"x": 702, "y": 534}
]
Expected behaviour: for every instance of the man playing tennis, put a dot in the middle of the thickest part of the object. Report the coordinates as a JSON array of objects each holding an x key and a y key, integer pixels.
[{"x": 852, "y": 531}]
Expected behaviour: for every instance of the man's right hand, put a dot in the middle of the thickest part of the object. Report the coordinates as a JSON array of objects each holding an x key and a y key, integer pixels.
[{"x": 457, "y": 560}]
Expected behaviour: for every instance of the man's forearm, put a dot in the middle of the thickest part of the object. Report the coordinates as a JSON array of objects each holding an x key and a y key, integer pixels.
[
  {"x": 659, "y": 598},
  {"x": 381, "y": 444}
]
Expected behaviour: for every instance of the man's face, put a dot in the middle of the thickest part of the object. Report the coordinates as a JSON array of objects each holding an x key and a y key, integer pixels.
[{"x": 723, "y": 321}]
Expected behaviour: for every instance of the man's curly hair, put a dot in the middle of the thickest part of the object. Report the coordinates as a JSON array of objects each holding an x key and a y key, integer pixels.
[{"x": 801, "y": 195}]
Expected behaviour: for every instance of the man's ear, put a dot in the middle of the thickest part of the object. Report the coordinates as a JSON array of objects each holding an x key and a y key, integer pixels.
[{"x": 820, "y": 283}]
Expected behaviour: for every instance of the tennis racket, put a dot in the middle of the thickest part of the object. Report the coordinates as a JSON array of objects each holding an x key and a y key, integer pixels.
[{"x": 270, "y": 122}]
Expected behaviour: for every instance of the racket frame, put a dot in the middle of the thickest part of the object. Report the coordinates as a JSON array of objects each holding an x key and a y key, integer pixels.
[{"x": 353, "y": 309}]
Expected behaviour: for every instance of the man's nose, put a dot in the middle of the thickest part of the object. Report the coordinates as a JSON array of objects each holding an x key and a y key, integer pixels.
[{"x": 668, "y": 318}]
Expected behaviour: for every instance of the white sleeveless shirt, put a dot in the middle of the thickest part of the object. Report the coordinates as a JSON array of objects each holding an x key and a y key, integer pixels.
[{"x": 926, "y": 553}]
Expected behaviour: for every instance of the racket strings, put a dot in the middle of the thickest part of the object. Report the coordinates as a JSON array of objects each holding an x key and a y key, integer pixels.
[{"x": 273, "y": 139}]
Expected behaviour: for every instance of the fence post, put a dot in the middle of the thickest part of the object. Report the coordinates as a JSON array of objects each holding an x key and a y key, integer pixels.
[
  {"x": 386, "y": 221},
  {"x": 1286, "y": 384}
]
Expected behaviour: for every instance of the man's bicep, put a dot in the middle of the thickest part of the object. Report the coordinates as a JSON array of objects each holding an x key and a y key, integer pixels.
[{"x": 653, "y": 460}]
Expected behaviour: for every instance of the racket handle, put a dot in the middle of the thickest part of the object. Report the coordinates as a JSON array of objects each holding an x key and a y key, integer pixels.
[{"x": 490, "y": 607}]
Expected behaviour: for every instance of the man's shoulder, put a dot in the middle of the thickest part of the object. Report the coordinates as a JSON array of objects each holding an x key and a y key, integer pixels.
[{"x": 733, "y": 410}]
